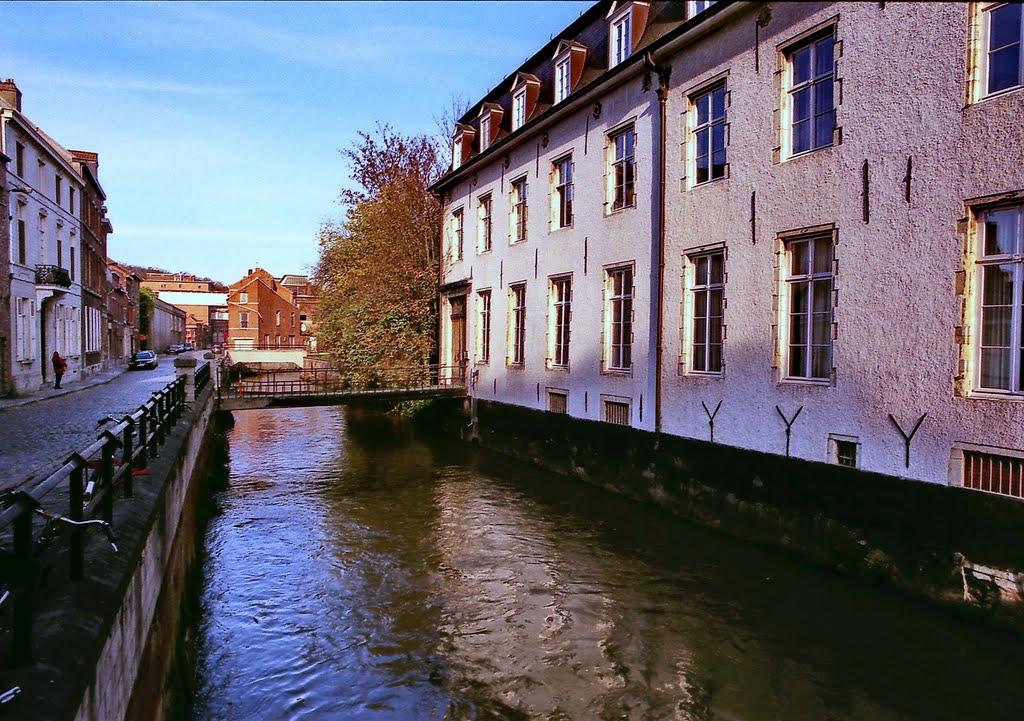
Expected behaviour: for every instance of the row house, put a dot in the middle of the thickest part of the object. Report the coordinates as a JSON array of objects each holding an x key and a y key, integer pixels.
[
  {"x": 795, "y": 228},
  {"x": 262, "y": 313},
  {"x": 44, "y": 194},
  {"x": 97, "y": 352},
  {"x": 123, "y": 310}
]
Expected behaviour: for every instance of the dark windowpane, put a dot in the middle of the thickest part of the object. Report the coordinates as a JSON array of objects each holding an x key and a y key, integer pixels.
[
  {"x": 823, "y": 126},
  {"x": 802, "y": 65},
  {"x": 1005, "y": 26},
  {"x": 718, "y": 164},
  {"x": 1004, "y": 69},
  {"x": 702, "y": 270},
  {"x": 823, "y": 101},
  {"x": 998, "y": 285},
  {"x": 802, "y": 104},
  {"x": 718, "y": 137},
  {"x": 995, "y": 327},
  {"x": 715, "y": 358},
  {"x": 703, "y": 106},
  {"x": 797, "y": 362},
  {"x": 799, "y": 254},
  {"x": 718, "y": 103},
  {"x": 823, "y": 56},
  {"x": 821, "y": 361},
  {"x": 822, "y": 292},
  {"x": 703, "y": 143},
  {"x": 995, "y": 368},
  {"x": 701, "y": 304},
  {"x": 1000, "y": 232},
  {"x": 717, "y": 262},
  {"x": 823, "y": 255},
  {"x": 802, "y": 136}
]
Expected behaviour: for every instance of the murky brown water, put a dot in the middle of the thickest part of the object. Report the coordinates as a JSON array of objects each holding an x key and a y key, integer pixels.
[{"x": 355, "y": 574}]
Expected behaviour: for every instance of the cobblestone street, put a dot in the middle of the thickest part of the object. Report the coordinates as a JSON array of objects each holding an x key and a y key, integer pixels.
[{"x": 37, "y": 437}]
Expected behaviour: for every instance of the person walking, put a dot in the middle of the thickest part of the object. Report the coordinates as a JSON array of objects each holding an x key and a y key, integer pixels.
[{"x": 59, "y": 366}]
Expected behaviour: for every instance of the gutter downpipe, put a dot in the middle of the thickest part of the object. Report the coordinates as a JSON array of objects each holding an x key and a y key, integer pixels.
[{"x": 663, "y": 74}]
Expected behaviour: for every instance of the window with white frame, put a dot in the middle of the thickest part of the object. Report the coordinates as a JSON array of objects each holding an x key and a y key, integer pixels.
[
  {"x": 1003, "y": 68},
  {"x": 622, "y": 174},
  {"x": 563, "y": 74},
  {"x": 620, "y": 44},
  {"x": 810, "y": 87},
  {"x": 243, "y": 297},
  {"x": 517, "y": 217},
  {"x": 843, "y": 450},
  {"x": 707, "y": 292},
  {"x": 517, "y": 324},
  {"x": 519, "y": 108},
  {"x": 559, "y": 317},
  {"x": 277, "y": 317},
  {"x": 619, "y": 318},
  {"x": 456, "y": 239},
  {"x": 456, "y": 152},
  {"x": 563, "y": 191},
  {"x": 484, "y": 223},
  {"x": 1000, "y": 273},
  {"x": 809, "y": 308},
  {"x": 709, "y": 134},
  {"x": 695, "y": 7},
  {"x": 483, "y": 326},
  {"x": 26, "y": 329},
  {"x": 485, "y": 132}
]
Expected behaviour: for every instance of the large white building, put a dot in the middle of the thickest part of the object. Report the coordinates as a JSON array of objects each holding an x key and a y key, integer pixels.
[
  {"x": 45, "y": 195},
  {"x": 798, "y": 227}
]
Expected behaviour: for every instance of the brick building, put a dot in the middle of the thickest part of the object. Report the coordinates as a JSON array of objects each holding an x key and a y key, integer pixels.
[
  {"x": 262, "y": 313},
  {"x": 95, "y": 227}
]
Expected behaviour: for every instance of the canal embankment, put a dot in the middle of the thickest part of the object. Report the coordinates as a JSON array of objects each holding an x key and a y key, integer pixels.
[
  {"x": 104, "y": 647},
  {"x": 961, "y": 548}
]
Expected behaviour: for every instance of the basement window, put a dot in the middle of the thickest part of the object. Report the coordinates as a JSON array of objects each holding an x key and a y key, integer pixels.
[{"x": 992, "y": 473}]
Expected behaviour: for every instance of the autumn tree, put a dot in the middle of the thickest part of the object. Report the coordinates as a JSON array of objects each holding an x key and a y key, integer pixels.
[{"x": 377, "y": 271}]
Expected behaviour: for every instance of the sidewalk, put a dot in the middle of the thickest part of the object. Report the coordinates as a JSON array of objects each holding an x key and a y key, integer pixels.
[{"x": 66, "y": 388}]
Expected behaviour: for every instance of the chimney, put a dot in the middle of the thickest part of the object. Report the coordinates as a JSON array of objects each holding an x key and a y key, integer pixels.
[{"x": 10, "y": 93}]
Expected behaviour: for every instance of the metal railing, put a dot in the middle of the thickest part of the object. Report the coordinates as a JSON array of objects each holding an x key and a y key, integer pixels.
[
  {"x": 91, "y": 477},
  {"x": 52, "y": 275},
  {"x": 328, "y": 380}
]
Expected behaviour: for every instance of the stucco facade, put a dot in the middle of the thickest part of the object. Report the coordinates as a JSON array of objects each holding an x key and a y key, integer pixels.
[
  {"x": 46, "y": 291},
  {"x": 838, "y": 268}
]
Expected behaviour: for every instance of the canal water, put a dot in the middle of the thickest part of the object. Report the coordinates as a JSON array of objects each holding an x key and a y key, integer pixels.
[{"x": 356, "y": 572}]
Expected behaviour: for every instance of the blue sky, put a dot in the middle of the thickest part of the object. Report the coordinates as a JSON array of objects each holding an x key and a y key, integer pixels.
[{"x": 218, "y": 125}]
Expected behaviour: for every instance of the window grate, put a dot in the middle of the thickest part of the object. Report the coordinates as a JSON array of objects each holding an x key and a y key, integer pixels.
[
  {"x": 992, "y": 473},
  {"x": 616, "y": 412},
  {"x": 557, "y": 402}
]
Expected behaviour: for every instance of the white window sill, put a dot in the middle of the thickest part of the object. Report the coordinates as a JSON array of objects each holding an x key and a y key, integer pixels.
[
  {"x": 996, "y": 395},
  {"x": 558, "y": 368},
  {"x": 813, "y": 382}
]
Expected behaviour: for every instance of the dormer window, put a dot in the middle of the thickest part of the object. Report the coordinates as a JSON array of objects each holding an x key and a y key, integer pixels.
[
  {"x": 488, "y": 121},
  {"x": 569, "y": 60},
  {"x": 562, "y": 78},
  {"x": 485, "y": 132},
  {"x": 462, "y": 140},
  {"x": 626, "y": 23},
  {"x": 525, "y": 90},
  {"x": 698, "y": 6},
  {"x": 621, "y": 43},
  {"x": 519, "y": 108}
]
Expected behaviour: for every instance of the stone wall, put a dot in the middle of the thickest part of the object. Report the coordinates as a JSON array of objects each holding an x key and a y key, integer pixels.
[{"x": 958, "y": 546}]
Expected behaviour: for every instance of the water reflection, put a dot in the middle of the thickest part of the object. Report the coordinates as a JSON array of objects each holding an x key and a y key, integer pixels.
[{"x": 357, "y": 573}]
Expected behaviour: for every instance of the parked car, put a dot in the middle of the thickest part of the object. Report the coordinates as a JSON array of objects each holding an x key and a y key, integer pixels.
[
  {"x": 144, "y": 359},
  {"x": 185, "y": 347},
  {"x": 175, "y": 349}
]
